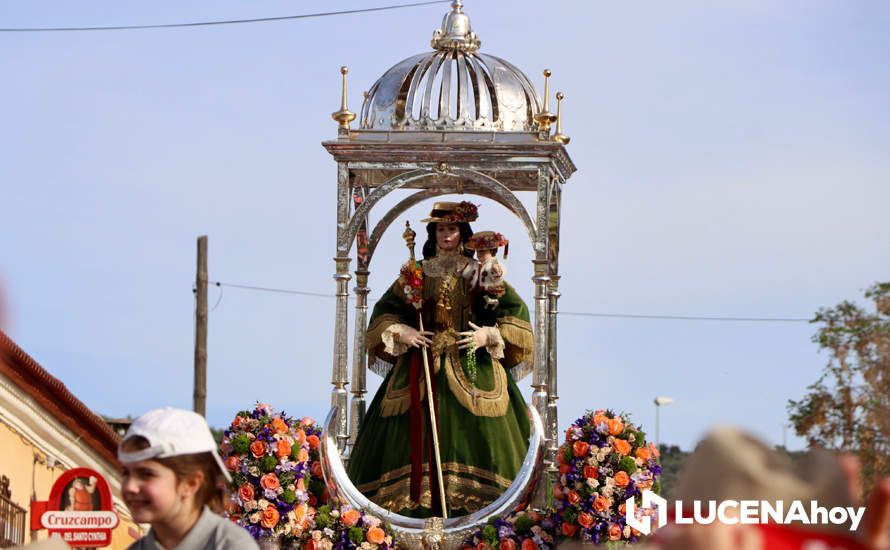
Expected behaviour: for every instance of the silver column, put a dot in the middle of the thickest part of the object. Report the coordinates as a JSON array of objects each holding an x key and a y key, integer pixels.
[
  {"x": 552, "y": 415},
  {"x": 359, "y": 354},
  {"x": 340, "y": 365}
]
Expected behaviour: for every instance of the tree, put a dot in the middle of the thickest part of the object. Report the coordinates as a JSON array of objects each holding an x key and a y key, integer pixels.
[{"x": 848, "y": 407}]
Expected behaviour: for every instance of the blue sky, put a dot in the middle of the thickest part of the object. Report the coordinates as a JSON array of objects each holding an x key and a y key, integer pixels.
[{"x": 732, "y": 161}]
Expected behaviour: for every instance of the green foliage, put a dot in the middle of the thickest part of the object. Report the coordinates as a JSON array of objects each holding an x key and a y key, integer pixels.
[
  {"x": 567, "y": 453},
  {"x": 523, "y": 524},
  {"x": 848, "y": 406},
  {"x": 627, "y": 464},
  {"x": 356, "y": 535},
  {"x": 672, "y": 461},
  {"x": 241, "y": 444},
  {"x": 490, "y": 534},
  {"x": 323, "y": 517},
  {"x": 268, "y": 463},
  {"x": 570, "y": 515},
  {"x": 316, "y": 487},
  {"x": 286, "y": 478}
]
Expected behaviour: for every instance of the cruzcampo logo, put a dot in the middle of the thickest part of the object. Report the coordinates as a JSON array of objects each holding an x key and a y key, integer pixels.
[{"x": 642, "y": 520}]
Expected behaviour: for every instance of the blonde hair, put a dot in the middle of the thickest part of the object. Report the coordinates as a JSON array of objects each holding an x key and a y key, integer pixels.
[{"x": 213, "y": 491}]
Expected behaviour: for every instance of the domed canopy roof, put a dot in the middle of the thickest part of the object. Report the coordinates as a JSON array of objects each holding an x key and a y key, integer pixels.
[{"x": 452, "y": 88}]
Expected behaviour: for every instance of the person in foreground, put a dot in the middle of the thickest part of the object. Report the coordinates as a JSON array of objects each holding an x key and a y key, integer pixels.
[
  {"x": 175, "y": 480},
  {"x": 730, "y": 464}
]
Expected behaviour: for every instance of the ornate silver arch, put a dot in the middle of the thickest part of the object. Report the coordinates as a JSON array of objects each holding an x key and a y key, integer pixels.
[{"x": 486, "y": 186}]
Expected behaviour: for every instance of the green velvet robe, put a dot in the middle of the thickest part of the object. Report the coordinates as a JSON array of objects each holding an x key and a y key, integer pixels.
[{"x": 483, "y": 425}]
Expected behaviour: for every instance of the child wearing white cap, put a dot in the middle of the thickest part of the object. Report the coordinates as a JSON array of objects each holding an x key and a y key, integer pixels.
[{"x": 175, "y": 480}]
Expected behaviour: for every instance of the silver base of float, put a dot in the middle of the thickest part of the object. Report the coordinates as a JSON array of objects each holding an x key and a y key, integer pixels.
[{"x": 436, "y": 533}]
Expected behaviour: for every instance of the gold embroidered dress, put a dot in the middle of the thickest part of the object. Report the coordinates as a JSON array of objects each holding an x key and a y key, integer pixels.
[{"x": 483, "y": 423}]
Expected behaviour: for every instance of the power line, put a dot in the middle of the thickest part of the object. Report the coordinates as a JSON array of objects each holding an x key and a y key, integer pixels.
[
  {"x": 276, "y": 290},
  {"x": 688, "y": 317},
  {"x": 569, "y": 313},
  {"x": 228, "y": 22}
]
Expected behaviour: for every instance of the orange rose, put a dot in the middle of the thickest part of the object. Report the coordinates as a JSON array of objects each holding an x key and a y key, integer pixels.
[
  {"x": 507, "y": 544},
  {"x": 614, "y": 532},
  {"x": 564, "y": 468},
  {"x": 569, "y": 529},
  {"x": 482, "y": 546},
  {"x": 303, "y": 455},
  {"x": 616, "y": 426},
  {"x": 580, "y": 448},
  {"x": 622, "y": 446},
  {"x": 529, "y": 544},
  {"x": 622, "y": 479},
  {"x": 300, "y": 512},
  {"x": 376, "y": 535},
  {"x": 622, "y": 509},
  {"x": 574, "y": 497},
  {"x": 238, "y": 421},
  {"x": 269, "y": 519},
  {"x": 586, "y": 520},
  {"x": 314, "y": 442},
  {"x": 279, "y": 425},
  {"x": 245, "y": 492},
  {"x": 270, "y": 481},
  {"x": 233, "y": 463},
  {"x": 599, "y": 419},
  {"x": 300, "y": 436},
  {"x": 654, "y": 450},
  {"x": 590, "y": 472},
  {"x": 350, "y": 517},
  {"x": 257, "y": 448},
  {"x": 284, "y": 448},
  {"x": 600, "y": 503},
  {"x": 315, "y": 469},
  {"x": 643, "y": 453}
]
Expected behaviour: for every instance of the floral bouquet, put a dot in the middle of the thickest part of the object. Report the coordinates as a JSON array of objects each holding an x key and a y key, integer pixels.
[
  {"x": 276, "y": 473},
  {"x": 411, "y": 281},
  {"x": 521, "y": 530},
  {"x": 347, "y": 529},
  {"x": 604, "y": 461}
]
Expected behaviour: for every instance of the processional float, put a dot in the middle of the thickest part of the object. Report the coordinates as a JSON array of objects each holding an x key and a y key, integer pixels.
[{"x": 450, "y": 121}]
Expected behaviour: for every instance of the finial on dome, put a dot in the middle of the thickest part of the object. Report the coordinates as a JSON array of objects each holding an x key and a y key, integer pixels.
[
  {"x": 545, "y": 118},
  {"x": 344, "y": 116},
  {"x": 559, "y": 136},
  {"x": 455, "y": 33}
]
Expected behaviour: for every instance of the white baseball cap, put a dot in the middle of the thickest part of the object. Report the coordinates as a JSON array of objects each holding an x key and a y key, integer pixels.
[{"x": 172, "y": 432}]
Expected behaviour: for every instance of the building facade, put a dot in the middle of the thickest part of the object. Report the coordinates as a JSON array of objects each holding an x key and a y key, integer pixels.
[{"x": 44, "y": 431}]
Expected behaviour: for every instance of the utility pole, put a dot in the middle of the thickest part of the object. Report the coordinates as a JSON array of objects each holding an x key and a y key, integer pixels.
[{"x": 200, "y": 391}]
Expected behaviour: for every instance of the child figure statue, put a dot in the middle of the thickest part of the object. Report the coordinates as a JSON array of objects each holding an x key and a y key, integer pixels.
[{"x": 489, "y": 274}]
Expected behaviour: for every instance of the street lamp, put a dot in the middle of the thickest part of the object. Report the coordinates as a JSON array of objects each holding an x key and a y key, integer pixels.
[{"x": 659, "y": 403}]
